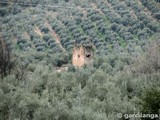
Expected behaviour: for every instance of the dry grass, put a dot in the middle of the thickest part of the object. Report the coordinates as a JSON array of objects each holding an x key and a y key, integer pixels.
[{"x": 150, "y": 62}]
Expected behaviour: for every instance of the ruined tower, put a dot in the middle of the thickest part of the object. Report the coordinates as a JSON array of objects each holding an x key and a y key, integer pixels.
[{"x": 82, "y": 54}]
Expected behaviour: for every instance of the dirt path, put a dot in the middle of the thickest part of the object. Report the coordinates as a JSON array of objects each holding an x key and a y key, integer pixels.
[
  {"x": 83, "y": 11},
  {"x": 133, "y": 14},
  {"x": 147, "y": 12},
  {"x": 37, "y": 30},
  {"x": 26, "y": 35},
  {"x": 57, "y": 38},
  {"x": 96, "y": 8},
  {"x": 52, "y": 14}
]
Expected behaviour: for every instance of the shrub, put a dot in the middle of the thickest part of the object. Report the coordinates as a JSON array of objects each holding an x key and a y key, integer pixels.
[
  {"x": 44, "y": 30},
  {"x": 47, "y": 37},
  {"x": 21, "y": 40},
  {"x": 40, "y": 48},
  {"x": 114, "y": 27},
  {"x": 71, "y": 68},
  {"x": 60, "y": 59},
  {"x": 69, "y": 47},
  {"x": 31, "y": 67},
  {"x": 157, "y": 16},
  {"x": 153, "y": 26},
  {"x": 52, "y": 45},
  {"x": 16, "y": 9},
  {"x": 50, "y": 41},
  {"x": 142, "y": 35},
  {"x": 40, "y": 44},
  {"x": 3, "y": 12},
  {"x": 6, "y": 64},
  {"x": 127, "y": 36},
  {"x": 148, "y": 63},
  {"x": 150, "y": 101}
]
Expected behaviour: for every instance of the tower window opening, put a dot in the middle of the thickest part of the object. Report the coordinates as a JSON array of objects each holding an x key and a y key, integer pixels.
[{"x": 88, "y": 55}]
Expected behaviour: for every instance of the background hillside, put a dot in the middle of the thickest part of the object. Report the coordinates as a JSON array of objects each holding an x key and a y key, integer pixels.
[
  {"x": 56, "y": 26},
  {"x": 40, "y": 36}
]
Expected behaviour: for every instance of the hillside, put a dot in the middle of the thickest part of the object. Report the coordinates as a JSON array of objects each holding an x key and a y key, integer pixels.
[
  {"x": 57, "y": 26},
  {"x": 37, "y": 79}
]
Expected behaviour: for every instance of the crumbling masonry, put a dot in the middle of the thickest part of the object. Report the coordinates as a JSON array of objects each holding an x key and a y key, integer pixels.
[{"x": 82, "y": 54}]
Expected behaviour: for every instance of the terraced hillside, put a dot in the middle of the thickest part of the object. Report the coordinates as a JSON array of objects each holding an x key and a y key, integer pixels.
[
  {"x": 106, "y": 24},
  {"x": 38, "y": 80}
]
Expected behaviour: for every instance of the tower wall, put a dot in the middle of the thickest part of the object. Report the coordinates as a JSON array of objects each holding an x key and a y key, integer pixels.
[{"x": 82, "y": 55}]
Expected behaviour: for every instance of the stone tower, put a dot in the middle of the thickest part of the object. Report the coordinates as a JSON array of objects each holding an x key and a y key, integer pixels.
[{"x": 82, "y": 54}]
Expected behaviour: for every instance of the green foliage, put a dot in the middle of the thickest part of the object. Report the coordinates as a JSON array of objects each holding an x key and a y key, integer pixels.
[
  {"x": 71, "y": 68},
  {"x": 98, "y": 92},
  {"x": 2, "y": 12},
  {"x": 47, "y": 37},
  {"x": 150, "y": 101},
  {"x": 60, "y": 59},
  {"x": 45, "y": 86},
  {"x": 16, "y": 9},
  {"x": 31, "y": 67}
]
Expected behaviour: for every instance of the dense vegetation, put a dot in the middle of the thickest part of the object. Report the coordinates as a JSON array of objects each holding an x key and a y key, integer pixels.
[{"x": 36, "y": 41}]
